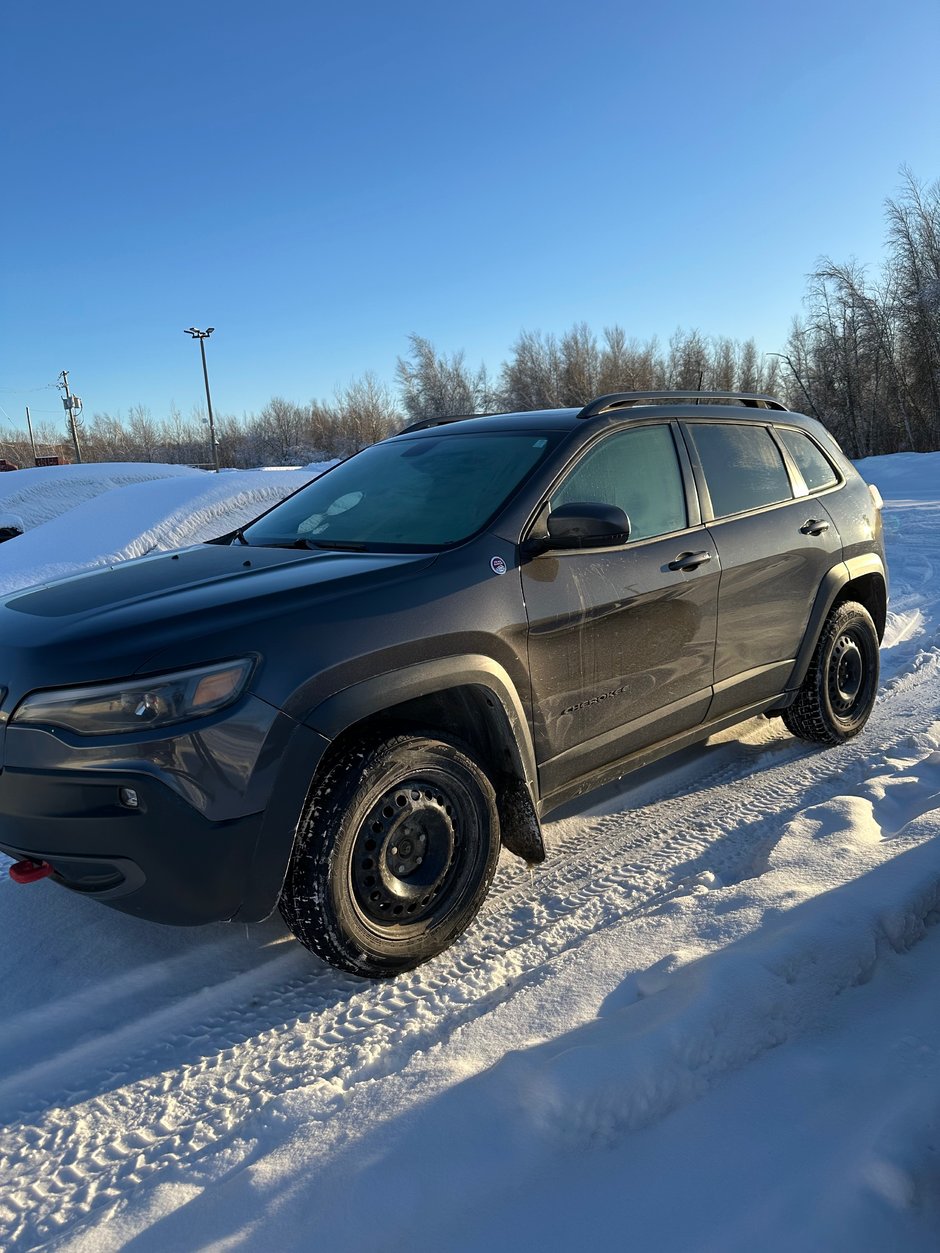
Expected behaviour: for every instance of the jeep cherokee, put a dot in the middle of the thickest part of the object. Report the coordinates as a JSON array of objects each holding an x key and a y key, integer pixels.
[{"x": 348, "y": 706}]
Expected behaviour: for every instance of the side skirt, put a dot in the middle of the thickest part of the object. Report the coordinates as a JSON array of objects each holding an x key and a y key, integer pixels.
[{"x": 645, "y": 756}]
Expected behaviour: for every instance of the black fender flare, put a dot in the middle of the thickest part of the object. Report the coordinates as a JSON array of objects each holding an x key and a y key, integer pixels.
[
  {"x": 517, "y": 780},
  {"x": 325, "y": 722},
  {"x": 375, "y": 695},
  {"x": 300, "y": 758},
  {"x": 838, "y": 577}
]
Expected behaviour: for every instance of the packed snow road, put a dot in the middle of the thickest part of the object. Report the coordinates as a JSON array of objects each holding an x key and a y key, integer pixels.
[{"x": 178, "y": 1089}]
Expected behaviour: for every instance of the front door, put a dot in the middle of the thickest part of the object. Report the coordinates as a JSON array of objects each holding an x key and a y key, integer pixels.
[{"x": 621, "y": 645}]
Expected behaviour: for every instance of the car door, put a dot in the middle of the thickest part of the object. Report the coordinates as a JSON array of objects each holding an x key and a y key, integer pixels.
[
  {"x": 775, "y": 544},
  {"x": 621, "y": 640}
]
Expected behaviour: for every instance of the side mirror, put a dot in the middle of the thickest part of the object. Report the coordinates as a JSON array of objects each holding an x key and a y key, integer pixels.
[{"x": 587, "y": 525}]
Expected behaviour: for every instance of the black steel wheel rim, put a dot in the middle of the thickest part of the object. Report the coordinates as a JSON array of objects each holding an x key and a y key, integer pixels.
[
  {"x": 414, "y": 853},
  {"x": 849, "y": 678}
]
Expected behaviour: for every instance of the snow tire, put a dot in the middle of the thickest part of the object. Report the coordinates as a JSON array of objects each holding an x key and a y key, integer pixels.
[
  {"x": 839, "y": 690},
  {"x": 394, "y": 855}
]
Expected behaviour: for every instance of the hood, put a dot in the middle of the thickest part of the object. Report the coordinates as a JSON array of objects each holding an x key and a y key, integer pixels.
[{"x": 106, "y": 623}]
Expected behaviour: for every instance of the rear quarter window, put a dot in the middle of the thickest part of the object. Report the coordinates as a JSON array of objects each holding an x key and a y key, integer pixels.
[{"x": 814, "y": 465}]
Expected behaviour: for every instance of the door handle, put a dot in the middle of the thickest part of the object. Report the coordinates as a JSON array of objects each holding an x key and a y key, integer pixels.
[
  {"x": 814, "y": 526},
  {"x": 689, "y": 561}
]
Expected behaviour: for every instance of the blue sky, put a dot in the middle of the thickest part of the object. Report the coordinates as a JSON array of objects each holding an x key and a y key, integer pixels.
[{"x": 316, "y": 182}]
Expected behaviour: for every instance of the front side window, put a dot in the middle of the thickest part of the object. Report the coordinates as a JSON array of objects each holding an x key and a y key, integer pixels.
[
  {"x": 637, "y": 470},
  {"x": 814, "y": 465},
  {"x": 421, "y": 493},
  {"x": 742, "y": 465}
]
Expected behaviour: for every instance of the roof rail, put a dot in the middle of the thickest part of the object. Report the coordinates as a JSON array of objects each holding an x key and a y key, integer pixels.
[
  {"x": 624, "y": 400},
  {"x": 425, "y": 423}
]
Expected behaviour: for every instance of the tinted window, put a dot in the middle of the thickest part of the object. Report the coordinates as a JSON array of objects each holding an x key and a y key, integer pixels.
[
  {"x": 814, "y": 466},
  {"x": 637, "y": 470},
  {"x": 423, "y": 492},
  {"x": 743, "y": 467}
]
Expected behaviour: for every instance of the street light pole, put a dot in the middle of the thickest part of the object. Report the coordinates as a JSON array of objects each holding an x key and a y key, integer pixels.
[{"x": 202, "y": 336}]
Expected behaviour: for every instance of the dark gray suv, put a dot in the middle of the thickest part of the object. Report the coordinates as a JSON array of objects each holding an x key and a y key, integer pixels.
[{"x": 346, "y": 707}]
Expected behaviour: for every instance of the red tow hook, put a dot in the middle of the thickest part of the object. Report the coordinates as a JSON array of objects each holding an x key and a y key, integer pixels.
[{"x": 29, "y": 871}]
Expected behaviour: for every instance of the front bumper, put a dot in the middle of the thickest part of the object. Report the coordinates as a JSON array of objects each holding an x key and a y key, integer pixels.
[
  {"x": 162, "y": 861},
  {"x": 211, "y": 835}
]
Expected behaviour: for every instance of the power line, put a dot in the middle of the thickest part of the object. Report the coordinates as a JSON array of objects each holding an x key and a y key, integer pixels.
[{"x": 25, "y": 391}]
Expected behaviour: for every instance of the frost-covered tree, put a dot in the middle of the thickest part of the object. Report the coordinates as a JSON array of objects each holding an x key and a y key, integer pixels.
[
  {"x": 532, "y": 377},
  {"x": 434, "y": 386}
]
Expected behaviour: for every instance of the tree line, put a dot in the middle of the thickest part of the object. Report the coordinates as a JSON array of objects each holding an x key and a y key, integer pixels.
[{"x": 864, "y": 358}]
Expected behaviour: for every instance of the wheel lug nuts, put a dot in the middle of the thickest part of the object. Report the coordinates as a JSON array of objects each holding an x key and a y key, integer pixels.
[
  {"x": 401, "y": 869},
  {"x": 418, "y": 861},
  {"x": 395, "y": 851}
]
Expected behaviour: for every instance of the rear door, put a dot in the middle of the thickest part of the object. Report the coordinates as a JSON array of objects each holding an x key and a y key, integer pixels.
[
  {"x": 775, "y": 543},
  {"x": 622, "y": 640}
]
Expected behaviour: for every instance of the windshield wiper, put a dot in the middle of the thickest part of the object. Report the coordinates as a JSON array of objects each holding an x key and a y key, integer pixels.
[
  {"x": 339, "y": 545},
  {"x": 230, "y": 537}
]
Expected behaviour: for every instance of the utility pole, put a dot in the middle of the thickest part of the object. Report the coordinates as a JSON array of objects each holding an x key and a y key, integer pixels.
[
  {"x": 73, "y": 407},
  {"x": 202, "y": 336},
  {"x": 29, "y": 427}
]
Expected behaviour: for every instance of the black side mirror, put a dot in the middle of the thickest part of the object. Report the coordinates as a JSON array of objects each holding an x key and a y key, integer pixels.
[{"x": 587, "y": 525}]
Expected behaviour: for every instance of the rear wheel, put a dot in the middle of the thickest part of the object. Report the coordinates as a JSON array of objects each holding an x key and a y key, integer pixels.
[
  {"x": 839, "y": 690},
  {"x": 394, "y": 855}
]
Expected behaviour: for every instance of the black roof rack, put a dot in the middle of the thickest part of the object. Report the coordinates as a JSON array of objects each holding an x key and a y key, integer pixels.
[
  {"x": 624, "y": 400},
  {"x": 425, "y": 423}
]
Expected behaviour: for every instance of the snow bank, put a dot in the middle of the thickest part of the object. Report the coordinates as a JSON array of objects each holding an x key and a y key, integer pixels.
[
  {"x": 45, "y": 492},
  {"x": 117, "y": 520},
  {"x": 904, "y": 475}
]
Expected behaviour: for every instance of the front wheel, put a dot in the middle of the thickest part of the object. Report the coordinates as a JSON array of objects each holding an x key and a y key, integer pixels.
[
  {"x": 839, "y": 690},
  {"x": 394, "y": 855}
]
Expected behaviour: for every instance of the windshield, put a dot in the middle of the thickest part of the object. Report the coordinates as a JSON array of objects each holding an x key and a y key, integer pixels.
[{"x": 420, "y": 493}]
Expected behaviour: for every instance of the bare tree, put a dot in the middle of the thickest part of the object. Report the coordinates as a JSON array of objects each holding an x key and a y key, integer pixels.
[
  {"x": 914, "y": 241},
  {"x": 435, "y": 386},
  {"x": 687, "y": 364},
  {"x": 367, "y": 411},
  {"x": 580, "y": 366},
  {"x": 532, "y": 377}
]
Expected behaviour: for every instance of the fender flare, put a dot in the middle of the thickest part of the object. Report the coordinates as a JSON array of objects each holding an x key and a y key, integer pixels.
[
  {"x": 425, "y": 678},
  {"x": 838, "y": 577},
  {"x": 516, "y": 793},
  {"x": 507, "y": 730}
]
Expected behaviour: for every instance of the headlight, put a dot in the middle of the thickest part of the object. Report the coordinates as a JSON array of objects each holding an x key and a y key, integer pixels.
[{"x": 137, "y": 704}]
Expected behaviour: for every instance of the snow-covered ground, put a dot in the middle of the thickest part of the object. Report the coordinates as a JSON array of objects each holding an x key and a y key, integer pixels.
[{"x": 711, "y": 1021}]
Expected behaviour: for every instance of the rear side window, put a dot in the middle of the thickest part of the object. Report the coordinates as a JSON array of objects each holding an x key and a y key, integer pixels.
[
  {"x": 742, "y": 465},
  {"x": 637, "y": 470},
  {"x": 814, "y": 465}
]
